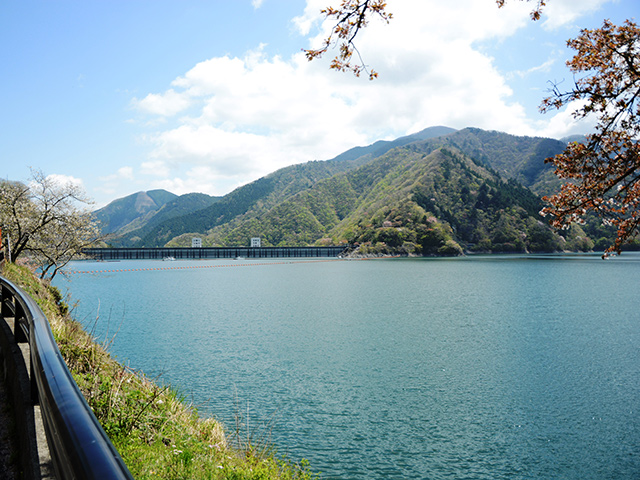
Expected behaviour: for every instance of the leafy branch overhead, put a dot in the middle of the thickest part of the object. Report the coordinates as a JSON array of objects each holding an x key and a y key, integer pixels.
[
  {"x": 350, "y": 18},
  {"x": 536, "y": 13},
  {"x": 603, "y": 174}
]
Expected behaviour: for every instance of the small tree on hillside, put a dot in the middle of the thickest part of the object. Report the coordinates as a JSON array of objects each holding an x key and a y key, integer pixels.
[{"x": 44, "y": 222}]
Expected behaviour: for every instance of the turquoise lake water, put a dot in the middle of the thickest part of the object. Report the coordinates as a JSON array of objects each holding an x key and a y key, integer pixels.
[{"x": 484, "y": 367}]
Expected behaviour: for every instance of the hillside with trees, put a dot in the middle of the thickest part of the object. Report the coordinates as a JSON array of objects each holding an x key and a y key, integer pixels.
[
  {"x": 599, "y": 176},
  {"x": 512, "y": 157},
  {"x": 436, "y": 192},
  {"x": 412, "y": 200},
  {"x": 145, "y": 209},
  {"x": 120, "y": 213}
]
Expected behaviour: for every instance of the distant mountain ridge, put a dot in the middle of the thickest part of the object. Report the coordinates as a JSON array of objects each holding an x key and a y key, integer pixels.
[
  {"x": 413, "y": 199},
  {"x": 381, "y": 147},
  {"x": 141, "y": 209},
  {"x": 122, "y": 211},
  {"x": 517, "y": 157},
  {"x": 459, "y": 179}
]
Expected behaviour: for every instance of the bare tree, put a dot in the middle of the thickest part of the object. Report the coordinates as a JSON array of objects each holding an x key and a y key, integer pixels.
[{"x": 45, "y": 221}]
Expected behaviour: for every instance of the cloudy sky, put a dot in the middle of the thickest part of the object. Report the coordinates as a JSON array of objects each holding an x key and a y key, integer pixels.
[{"x": 207, "y": 95}]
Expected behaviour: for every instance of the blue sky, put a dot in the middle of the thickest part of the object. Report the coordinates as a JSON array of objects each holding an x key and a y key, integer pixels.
[{"x": 193, "y": 95}]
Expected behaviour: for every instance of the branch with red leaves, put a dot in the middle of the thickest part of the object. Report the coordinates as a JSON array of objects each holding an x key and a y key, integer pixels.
[
  {"x": 536, "y": 13},
  {"x": 350, "y": 18},
  {"x": 603, "y": 174}
]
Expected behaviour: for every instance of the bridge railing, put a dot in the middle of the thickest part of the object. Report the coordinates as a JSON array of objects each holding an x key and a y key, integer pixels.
[{"x": 79, "y": 447}]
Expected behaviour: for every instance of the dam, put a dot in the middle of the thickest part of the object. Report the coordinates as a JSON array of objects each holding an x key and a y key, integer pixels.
[{"x": 159, "y": 253}]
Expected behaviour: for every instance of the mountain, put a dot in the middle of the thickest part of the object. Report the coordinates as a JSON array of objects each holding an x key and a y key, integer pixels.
[
  {"x": 515, "y": 157},
  {"x": 121, "y": 212},
  {"x": 413, "y": 199},
  {"x": 259, "y": 195},
  {"x": 437, "y": 191},
  {"x": 381, "y": 147},
  {"x": 144, "y": 209},
  {"x": 255, "y": 197}
]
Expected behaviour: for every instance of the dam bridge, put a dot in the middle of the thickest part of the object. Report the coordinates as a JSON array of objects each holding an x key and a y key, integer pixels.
[{"x": 159, "y": 253}]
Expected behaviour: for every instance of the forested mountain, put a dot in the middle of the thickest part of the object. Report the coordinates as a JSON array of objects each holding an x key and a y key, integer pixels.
[
  {"x": 410, "y": 200},
  {"x": 121, "y": 212},
  {"x": 519, "y": 158},
  {"x": 145, "y": 209},
  {"x": 379, "y": 148},
  {"x": 439, "y": 191},
  {"x": 255, "y": 197}
]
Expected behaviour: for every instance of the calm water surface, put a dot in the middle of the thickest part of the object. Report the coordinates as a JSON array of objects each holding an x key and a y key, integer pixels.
[{"x": 494, "y": 367}]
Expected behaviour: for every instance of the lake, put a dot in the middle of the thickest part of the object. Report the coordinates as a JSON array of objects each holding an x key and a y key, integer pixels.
[{"x": 481, "y": 367}]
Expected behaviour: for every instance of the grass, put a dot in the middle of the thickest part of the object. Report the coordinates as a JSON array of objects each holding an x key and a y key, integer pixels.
[{"x": 157, "y": 433}]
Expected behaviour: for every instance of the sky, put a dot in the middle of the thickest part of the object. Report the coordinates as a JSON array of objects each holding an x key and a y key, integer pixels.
[{"x": 121, "y": 96}]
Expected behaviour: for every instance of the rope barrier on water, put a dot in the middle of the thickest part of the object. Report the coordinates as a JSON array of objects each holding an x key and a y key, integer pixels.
[{"x": 208, "y": 266}]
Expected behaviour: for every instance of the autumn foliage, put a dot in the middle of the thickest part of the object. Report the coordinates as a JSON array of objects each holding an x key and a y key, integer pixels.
[
  {"x": 602, "y": 175},
  {"x": 350, "y": 18},
  {"x": 536, "y": 13}
]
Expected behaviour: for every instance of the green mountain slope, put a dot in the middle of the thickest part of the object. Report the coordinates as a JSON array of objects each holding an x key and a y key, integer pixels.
[
  {"x": 251, "y": 199},
  {"x": 121, "y": 212},
  {"x": 179, "y": 207},
  {"x": 324, "y": 201},
  {"x": 145, "y": 209},
  {"x": 410, "y": 200},
  {"x": 517, "y": 157},
  {"x": 381, "y": 147}
]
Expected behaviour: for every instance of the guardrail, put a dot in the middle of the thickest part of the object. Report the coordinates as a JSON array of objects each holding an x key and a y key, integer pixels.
[{"x": 79, "y": 447}]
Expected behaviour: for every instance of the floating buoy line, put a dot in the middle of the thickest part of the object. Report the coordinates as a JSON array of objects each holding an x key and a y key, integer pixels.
[{"x": 207, "y": 266}]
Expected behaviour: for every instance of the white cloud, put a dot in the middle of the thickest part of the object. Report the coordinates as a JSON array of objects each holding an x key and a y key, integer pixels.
[
  {"x": 123, "y": 173},
  {"x": 167, "y": 104},
  {"x": 65, "y": 180},
  {"x": 252, "y": 115},
  {"x": 199, "y": 179},
  {"x": 155, "y": 168},
  {"x": 543, "y": 67},
  {"x": 563, "y": 123},
  {"x": 110, "y": 184},
  {"x": 558, "y": 13},
  {"x": 257, "y": 3}
]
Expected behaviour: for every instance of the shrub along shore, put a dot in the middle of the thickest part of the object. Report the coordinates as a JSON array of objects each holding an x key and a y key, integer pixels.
[{"x": 157, "y": 433}]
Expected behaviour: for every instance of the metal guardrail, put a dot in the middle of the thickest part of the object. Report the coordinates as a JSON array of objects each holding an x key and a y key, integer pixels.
[{"x": 79, "y": 447}]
